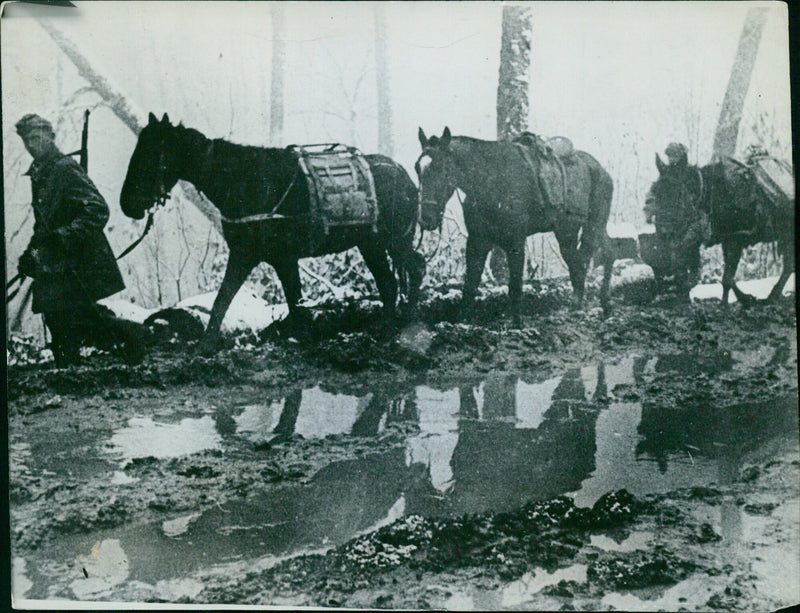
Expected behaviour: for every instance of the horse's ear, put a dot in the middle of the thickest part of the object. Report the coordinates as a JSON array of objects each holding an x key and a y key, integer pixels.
[
  {"x": 165, "y": 119},
  {"x": 423, "y": 140},
  {"x": 151, "y": 119},
  {"x": 445, "y": 140},
  {"x": 660, "y": 165}
]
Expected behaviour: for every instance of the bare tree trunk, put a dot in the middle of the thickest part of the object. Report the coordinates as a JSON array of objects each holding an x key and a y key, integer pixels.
[
  {"x": 385, "y": 143},
  {"x": 739, "y": 82},
  {"x": 512, "y": 92},
  {"x": 278, "y": 70},
  {"x": 123, "y": 108},
  {"x": 515, "y": 61}
]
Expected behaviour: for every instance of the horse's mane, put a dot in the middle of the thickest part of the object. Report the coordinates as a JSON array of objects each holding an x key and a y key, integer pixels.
[{"x": 234, "y": 152}]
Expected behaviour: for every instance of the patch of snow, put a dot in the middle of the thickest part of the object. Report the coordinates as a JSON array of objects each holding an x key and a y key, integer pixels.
[
  {"x": 631, "y": 274},
  {"x": 247, "y": 313},
  {"x": 647, "y": 229},
  {"x": 760, "y": 288},
  {"x": 125, "y": 309}
]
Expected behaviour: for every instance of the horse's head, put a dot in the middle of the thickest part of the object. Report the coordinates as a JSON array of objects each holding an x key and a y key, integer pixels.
[
  {"x": 436, "y": 172},
  {"x": 152, "y": 170},
  {"x": 678, "y": 187}
]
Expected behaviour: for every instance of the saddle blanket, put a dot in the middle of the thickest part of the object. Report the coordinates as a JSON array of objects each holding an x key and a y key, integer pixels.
[{"x": 340, "y": 185}]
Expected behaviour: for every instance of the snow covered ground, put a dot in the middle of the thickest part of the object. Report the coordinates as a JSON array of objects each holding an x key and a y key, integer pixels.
[
  {"x": 759, "y": 288},
  {"x": 125, "y": 309},
  {"x": 247, "y": 312}
]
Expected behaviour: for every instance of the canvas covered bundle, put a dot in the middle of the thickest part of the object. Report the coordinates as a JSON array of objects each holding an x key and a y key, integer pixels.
[
  {"x": 340, "y": 185},
  {"x": 552, "y": 161},
  {"x": 774, "y": 177}
]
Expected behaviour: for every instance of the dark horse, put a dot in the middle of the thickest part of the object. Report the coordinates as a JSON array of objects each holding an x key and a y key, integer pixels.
[
  {"x": 244, "y": 181},
  {"x": 738, "y": 212},
  {"x": 505, "y": 203}
]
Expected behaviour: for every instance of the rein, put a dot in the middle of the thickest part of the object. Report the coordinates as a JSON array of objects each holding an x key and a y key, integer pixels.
[
  {"x": 439, "y": 242},
  {"x": 160, "y": 200},
  {"x": 134, "y": 244}
]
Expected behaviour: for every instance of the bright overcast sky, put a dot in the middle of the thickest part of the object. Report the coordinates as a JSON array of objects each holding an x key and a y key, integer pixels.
[{"x": 621, "y": 79}]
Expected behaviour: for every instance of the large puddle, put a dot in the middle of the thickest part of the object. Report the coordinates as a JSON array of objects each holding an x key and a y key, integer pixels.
[{"x": 484, "y": 445}]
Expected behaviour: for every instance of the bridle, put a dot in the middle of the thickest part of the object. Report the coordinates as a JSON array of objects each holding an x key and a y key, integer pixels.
[
  {"x": 162, "y": 193},
  {"x": 429, "y": 152},
  {"x": 159, "y": 200}
]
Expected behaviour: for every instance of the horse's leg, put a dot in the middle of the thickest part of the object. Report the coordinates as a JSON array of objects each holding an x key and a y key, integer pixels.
[
  {"x": 568, "y": 246},
  {"x": 289, "y": 276},
  {"x": 411, "y": 265},
  {"x": 732, "y": 253},
  {"x": 415, "y": 267},
  {"x": 239, "y": 266},
  {"x": 378, "y": 264},
  {"x": 787, "y": 256},
  {"x": 477, "y": 250},
  {"x": 515, "y": 257},
  {"x": 606, "y": 256}
]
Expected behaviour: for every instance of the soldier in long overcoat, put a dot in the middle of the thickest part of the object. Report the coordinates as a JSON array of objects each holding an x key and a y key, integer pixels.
[{"x": 68, "y": 256}]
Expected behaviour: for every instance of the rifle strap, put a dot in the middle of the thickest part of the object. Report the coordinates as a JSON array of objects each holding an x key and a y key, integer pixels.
[{"x": 133, "y": 245}]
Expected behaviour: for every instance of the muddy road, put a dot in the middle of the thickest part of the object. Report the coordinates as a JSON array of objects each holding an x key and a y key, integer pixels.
[{"x": 644, "y": 461}]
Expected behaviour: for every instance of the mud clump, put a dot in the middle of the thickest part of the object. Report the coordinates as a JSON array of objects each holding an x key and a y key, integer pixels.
[
  {"x": 351, "y": 353},
  {"x": 505, "y": 544},
  {"x": 639, "y": 570},
  {"x": 90, "y": 516}
]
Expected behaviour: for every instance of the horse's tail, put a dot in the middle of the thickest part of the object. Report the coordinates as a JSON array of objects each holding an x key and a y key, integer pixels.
[
  {"x": 601, "y": 192},
  {"x": 401, "y": 211},
  {"x": 595, "y": 231},
  {"x": 409, "y": 263}
]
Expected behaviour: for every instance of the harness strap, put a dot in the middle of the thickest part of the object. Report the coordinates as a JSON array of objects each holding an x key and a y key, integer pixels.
[{"x": 263, "y": 216}]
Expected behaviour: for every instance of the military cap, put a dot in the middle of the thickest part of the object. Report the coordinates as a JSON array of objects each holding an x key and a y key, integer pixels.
[
  {"x": 32, "y": 122},
  {"x": 676, "y": 152}
]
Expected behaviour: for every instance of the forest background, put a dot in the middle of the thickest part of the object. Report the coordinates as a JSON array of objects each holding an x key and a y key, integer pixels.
[{"x": 620, "y": 79}]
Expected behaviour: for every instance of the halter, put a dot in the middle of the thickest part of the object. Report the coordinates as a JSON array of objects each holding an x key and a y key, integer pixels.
[
  {"x": 427, "y": 151},
  {"x": 158, "y": 201},
  {"x": 162, "y": 192}
]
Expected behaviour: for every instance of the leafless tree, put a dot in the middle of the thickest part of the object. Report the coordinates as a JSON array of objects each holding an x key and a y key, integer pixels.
[
  {"x": 278, "y": 70},
  {"x": 739, "y": 82},
  {"x": 512, "y": 91},
  {"x": 121, "y": 106},
  {"x": 385, "y": 144}
]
